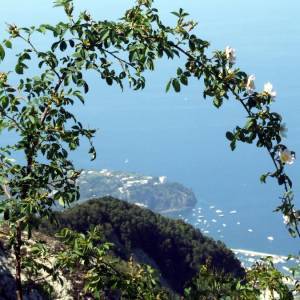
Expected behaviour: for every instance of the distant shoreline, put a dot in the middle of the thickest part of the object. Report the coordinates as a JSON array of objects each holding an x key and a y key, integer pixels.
[
  {"x": 277, "y": 257},
  {"x": 174, "y": 210}
]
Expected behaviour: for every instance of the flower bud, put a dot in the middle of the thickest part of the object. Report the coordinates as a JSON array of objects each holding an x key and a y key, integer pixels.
[
  {"x": 3, "y": 77},
  {"x": 13, "y": 31},
  {"x": 230, "y": 55},
  {"x": 250, "y": 86},
  {"x": 86, "y": 16},
  {"x": 268, "y": 89}
]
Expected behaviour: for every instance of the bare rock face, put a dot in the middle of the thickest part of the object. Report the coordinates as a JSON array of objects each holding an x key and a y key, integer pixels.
[
  {"x": 7, "y": 283},
  {"x": 8, "y": 286}
]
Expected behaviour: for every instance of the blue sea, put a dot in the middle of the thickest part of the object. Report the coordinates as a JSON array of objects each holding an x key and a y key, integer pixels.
[{"x": 182, "y": 136}]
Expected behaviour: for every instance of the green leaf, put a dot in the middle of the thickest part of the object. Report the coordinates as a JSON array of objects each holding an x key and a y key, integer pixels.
[
  {"x": 233, "y": 145},
  {"x": 61, "y": 201},
  {"x": 45, "y": 27},
  {"x": 86, "y": 87},
  {"x": 176, "y": 85},
  {"x": 63, "y": 46},
  {"x": 292, "y": 232},
  {"x": 264, "y": 177},
  {"x": 168, "y": 86},
  {"x": 109, "y": 80},
  {"x": 72, "y": 43},
  {"x": 217, "y": 102},
  {"x": 229, "y": 135},
  {"x": 79, "y": 96},
  {"x": 54, "y": 46},
  {"x": 105, "y": 35},
  {"x": 8, "y": 44},
  {"x": 179, "y": 71},
  {"x": 32, "y": 119},
  {"x": 169, "y": 53},
  {"x": 192, "y": 45},
  {"x": 2, "y": 53},
  {"x": 183, "y": 80},
  {"x": 175, "y": 14},
  {"x": 4, "y": 102},
  {"x": 92, "y": 152},
  {"x": 24, "y": 56},
  {"x": 3, "y": 204},
  {"x": 19, "y": 69}
]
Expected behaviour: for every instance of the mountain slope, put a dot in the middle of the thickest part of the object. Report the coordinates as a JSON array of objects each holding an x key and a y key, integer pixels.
[{"x": 176, "y": 247}]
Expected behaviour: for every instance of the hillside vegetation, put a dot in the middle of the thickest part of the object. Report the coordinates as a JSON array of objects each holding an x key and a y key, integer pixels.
[{"x": 176, "y": 248}]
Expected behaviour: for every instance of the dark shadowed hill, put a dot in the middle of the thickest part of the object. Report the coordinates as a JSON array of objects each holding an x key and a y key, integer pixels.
[{"x": 177, "y": 248}]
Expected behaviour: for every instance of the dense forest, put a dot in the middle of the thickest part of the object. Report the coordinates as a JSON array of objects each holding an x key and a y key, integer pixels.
[{"x": 177, "y": 248}]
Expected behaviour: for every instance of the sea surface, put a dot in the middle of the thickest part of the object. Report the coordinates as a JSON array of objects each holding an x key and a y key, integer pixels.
[{"x": 182, "y": 136}]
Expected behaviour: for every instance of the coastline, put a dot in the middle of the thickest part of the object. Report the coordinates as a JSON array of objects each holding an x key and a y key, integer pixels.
[
  {"x": 174, "y": 210},
  {"x": 260, "y": 254}
]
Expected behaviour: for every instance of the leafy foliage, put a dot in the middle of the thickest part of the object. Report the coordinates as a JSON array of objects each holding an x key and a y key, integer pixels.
[
  {"x": 261, "y": 280},
  {"x": 36, "y": 109},
  {"x": 102, "y": 277}
]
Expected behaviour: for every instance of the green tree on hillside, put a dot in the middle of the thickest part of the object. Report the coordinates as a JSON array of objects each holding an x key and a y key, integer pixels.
[
  {"x": 177, "y": 248},
  {"x": 37, "y": 109},
  {"x": 262, "y": 279}
]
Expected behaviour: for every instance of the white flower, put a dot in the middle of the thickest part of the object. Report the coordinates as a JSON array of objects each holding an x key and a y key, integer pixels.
[
  {"x": 268, "y": 89},
  {"x": 230, "y": 54},
  {"x": 286, "y": 219},
  {"x": 250, "y": 86},
  {"x": 286, "y": 156},
  {"x": 294, "y": 216}
]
